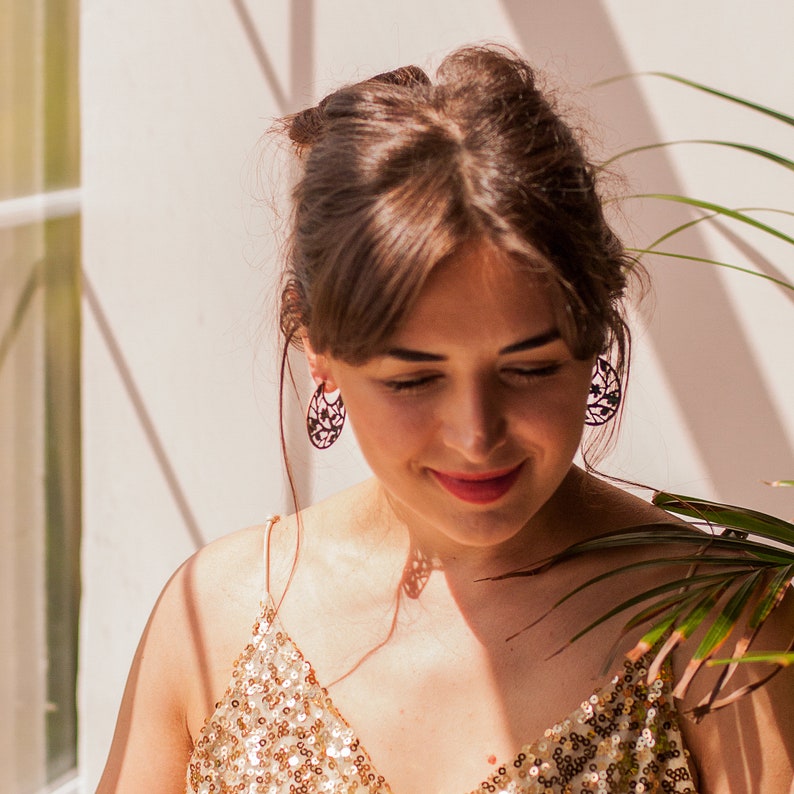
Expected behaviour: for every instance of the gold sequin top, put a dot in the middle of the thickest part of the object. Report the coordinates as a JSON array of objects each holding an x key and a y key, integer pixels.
[{"x": 277, "y": 731}]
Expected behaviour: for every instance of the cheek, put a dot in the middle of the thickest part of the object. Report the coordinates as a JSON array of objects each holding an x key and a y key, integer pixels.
[
  {"x": 554, "y": 415},
  {"x": 385, "y": 425}
]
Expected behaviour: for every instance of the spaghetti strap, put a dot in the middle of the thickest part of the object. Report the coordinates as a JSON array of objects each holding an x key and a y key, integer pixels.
[{"x": 270, "y": 522}]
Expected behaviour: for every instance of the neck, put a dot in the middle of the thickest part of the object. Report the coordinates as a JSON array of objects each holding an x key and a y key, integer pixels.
[{"x": 552, "y": 529}]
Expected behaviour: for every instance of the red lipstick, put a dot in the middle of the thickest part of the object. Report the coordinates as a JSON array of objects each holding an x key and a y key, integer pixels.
[{"x": 481, "y": 488}]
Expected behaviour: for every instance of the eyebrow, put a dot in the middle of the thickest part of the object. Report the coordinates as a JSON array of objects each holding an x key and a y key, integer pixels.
[
  {"x": 539, "y": 340},
  {"x": 414, "y": 356}
]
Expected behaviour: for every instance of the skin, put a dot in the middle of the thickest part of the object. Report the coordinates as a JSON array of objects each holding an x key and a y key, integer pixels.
[{"x": 475, "y": 384}]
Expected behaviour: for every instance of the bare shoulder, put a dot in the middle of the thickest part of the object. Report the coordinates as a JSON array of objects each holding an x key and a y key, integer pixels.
[
  {"x": 328, "y": 538},
  {"x": 211, "y": 604},
  {"x": 206, "y": 599},
  {"x": 610, "y": 507},
  {"x": 226, "y": 571}
]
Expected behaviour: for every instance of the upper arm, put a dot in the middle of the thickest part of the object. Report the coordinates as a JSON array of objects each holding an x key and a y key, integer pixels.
[
  {"x": 184, "y": 661},
  {"x": 151, "y": 744}
]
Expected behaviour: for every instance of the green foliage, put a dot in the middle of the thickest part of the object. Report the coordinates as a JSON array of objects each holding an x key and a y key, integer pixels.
[
  {"x": 733, "y": 578},
  {"x": 712, "y": 210},
  {"x": 741, "y": 563}
]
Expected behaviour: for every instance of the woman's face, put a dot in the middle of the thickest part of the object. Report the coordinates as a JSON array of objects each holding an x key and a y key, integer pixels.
[{"x": 472, "y": 417}]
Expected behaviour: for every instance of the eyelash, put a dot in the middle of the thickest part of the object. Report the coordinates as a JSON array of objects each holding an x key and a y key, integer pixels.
[
  {"x": 524, "y": 375},
  {"x": 534, "y": 374},
  {"x": 404, "y": 386}
]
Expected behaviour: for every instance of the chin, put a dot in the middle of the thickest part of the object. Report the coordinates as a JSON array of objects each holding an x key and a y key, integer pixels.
[{"x": 485, "y": 529}]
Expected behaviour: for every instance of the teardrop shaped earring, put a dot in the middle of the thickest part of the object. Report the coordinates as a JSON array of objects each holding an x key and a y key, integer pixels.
[
  {"x": 324, "y": 419},
  {"x": 605, "y": 395}
]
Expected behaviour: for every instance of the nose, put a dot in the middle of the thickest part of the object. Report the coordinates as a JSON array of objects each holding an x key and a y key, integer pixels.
[{"x": 474, "y": 423}]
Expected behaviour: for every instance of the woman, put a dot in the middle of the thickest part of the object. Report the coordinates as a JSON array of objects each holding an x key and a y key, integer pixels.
[{"x": 452, "y": 277}]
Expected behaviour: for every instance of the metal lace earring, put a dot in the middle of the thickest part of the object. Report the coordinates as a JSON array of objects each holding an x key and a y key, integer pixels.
[
  {"x": 324, "y": 419},
  {"x": 606, "y": 392}
]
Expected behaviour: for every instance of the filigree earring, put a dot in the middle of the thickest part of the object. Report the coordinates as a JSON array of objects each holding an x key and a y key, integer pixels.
[
  {"x": 605, "y": 394},
  {"x": 324, "y": 419}
]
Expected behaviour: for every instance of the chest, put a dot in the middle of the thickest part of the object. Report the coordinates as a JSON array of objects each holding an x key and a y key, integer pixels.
[{"x": 277, "y": 726}]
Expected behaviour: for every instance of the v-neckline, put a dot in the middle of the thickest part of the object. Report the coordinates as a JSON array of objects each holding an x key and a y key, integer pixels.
[{"x": 526, "y": 752}]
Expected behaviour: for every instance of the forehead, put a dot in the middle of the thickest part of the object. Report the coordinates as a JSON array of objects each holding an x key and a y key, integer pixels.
[{"x": 478, "y": 295}]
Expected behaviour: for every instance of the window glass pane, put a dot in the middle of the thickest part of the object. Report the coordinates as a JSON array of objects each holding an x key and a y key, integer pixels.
[
  {"x": 62, "y": 460},
  {"x": 22, "y": 516},
  {"x": 39, "y": 397}
]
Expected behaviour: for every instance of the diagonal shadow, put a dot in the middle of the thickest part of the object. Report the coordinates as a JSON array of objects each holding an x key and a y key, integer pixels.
[
  {"x": 142, "y": 413},
  {"x": 301, "y": 38},
  {"x": 695, "y": 331},
  {"x": 249, "y": 28},
  {"x": 759, "y": 262},
  {"x": 26, "y": 295},
  {"x": 700, "y": 343},
  {"x": 301, "y": 54}
]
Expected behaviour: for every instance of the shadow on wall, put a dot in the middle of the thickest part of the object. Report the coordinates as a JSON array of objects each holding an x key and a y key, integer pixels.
[
  {"x": 698, "y": 337},
  {"x": 695, "y": 331},
  {"x": 290, "y": 99}
]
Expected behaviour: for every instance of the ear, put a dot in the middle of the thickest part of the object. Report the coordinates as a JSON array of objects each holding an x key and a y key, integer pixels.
[{"x": 319, "y": 366}]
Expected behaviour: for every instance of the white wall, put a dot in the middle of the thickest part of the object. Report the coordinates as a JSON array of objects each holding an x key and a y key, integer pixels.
[{"x": 180, "y": 431}]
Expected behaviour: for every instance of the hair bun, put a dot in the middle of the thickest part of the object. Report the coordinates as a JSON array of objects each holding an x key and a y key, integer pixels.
[
  {"x": 306, "y": 127},
  {"x": 405, "y": 76}
]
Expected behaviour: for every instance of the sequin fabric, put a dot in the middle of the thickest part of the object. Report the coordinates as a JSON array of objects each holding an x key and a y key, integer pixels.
[{"x": 277, "y": 731}]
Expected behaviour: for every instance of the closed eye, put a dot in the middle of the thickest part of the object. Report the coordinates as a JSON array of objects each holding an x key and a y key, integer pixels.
[
  {"x": 528, "y": 374},
  {"x": 410, "y": 384}
]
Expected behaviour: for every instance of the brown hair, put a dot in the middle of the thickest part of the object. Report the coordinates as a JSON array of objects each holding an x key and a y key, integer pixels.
[{"x": 399, "y": 172}]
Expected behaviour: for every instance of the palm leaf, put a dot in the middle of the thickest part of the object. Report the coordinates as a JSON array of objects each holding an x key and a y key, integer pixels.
[
  {"x": 766, "y": 111},
  {"x": 757, "y": 151},
  {"x": 728, "y": 516},
  {"x": 707, "y": 217},
  {"x": 772, "y": 597},
  {"x": 713, "y": 703},
  {"x": 782, "y": 658},
  {"x": 728, "y": 265},
  {"x": 694, "y": 583},
  {"x": 712, "y": 208},
  {"x": 658, "y": 630},
  {"x": 731, "y": 595},
  {"x": 771, "y": 112},
  {"x": 683, "y": 630},
  {"x": 719, "y": 631},
  {"x": 718, "y": 209},
  {"x": 709, "y": 583},
  {"x": 741, "y": 567},
  {"x": 660, "y": 533}
]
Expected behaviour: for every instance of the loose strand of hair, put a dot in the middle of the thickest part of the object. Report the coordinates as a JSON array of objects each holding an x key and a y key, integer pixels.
[{"x": 285, "y": 370}]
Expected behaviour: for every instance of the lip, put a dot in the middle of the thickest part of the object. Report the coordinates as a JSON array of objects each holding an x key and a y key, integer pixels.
[{"x": 478, "y": 487}]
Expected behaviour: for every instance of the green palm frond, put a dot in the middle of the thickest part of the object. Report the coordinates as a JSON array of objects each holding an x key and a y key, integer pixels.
[
  {"x": 754, "y": 106},
  {"x": 704, "y": 260},
  {"x": 716, "y": 209},
  {"x": 740, "y": 562},
  {"x": 728, "y": 265},
  {"x": 747, "y": 103},
  {"x": 710, "y": 216},
  {"x": 711, "y": 210},
  {"x": 757, "y": 151},
  {"x": 729, "y": 517},
  {"x": 739, "y": 570}
]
